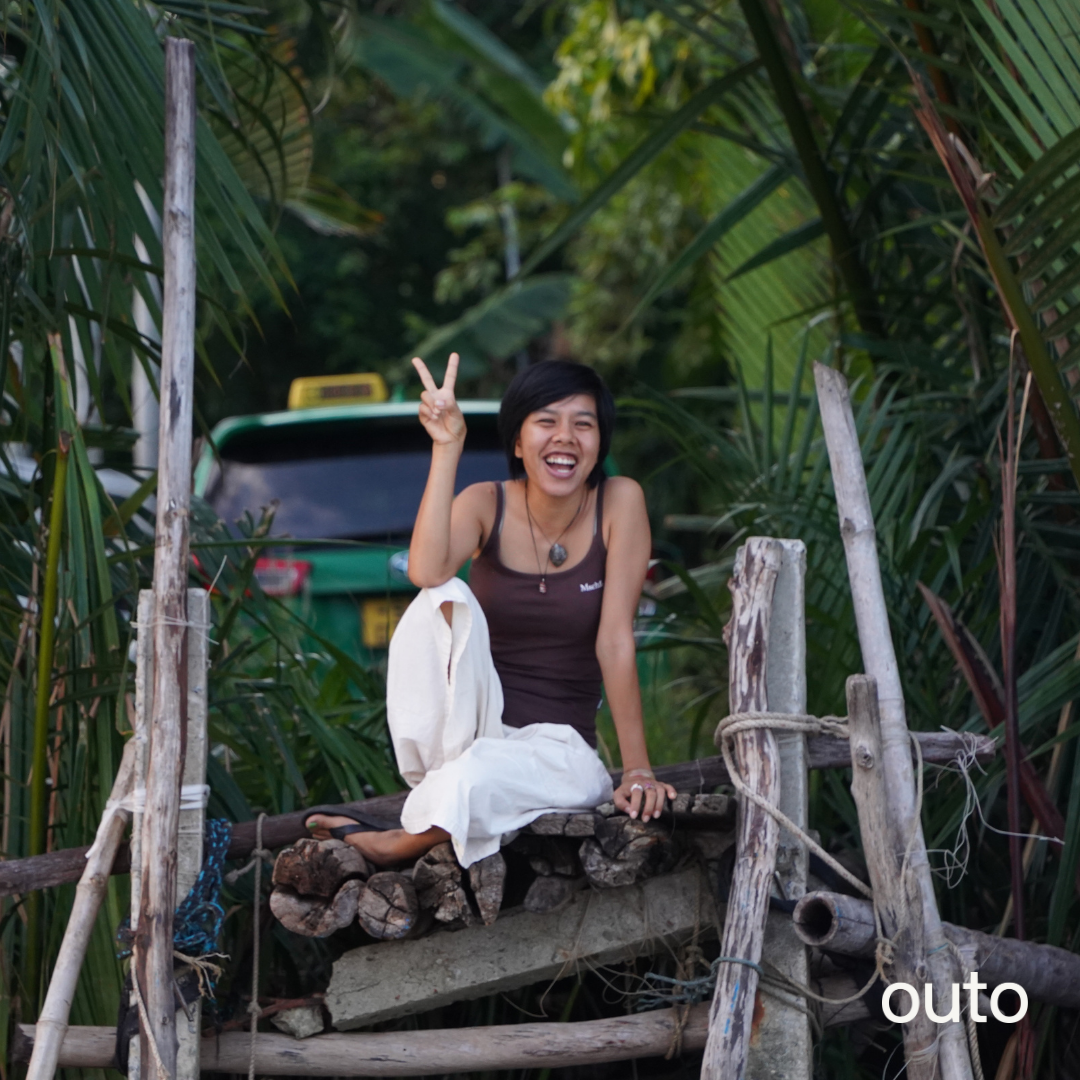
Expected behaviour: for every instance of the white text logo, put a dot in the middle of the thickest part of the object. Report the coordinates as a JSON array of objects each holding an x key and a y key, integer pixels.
[{"x": 973, "y": 986}]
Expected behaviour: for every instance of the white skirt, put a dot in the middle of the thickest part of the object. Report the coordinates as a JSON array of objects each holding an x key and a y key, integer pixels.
[{"x": 470, "y": 774}]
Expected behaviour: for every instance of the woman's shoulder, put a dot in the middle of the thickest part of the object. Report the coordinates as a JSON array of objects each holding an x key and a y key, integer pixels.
[
  {"x": 479, "y": 503},
  {"x": 621, "y": 493},
  {"x": 624, "y": 507},
  {"x": 481, "y": 495}
]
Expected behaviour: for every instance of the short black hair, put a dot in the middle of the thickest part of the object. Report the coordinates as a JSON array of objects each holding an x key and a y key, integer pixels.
[{"x": 543, "y": 384}]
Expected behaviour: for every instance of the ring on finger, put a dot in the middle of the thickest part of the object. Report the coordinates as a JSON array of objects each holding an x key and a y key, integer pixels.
[{"x": 636, "y": 787}]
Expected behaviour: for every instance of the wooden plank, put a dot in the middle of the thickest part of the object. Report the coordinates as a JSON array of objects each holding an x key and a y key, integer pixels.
[
  {"x": 390, "y": 979},
  {"x": 947, "y": 1045},
  {"x": 731, "y": 1016},
  {"x": 782, "y": 1048}
]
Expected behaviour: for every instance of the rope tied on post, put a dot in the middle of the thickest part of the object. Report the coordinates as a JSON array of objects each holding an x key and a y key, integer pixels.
[
  {"x": 805, "y": 724},
  {"x": 800, "y": 723}
]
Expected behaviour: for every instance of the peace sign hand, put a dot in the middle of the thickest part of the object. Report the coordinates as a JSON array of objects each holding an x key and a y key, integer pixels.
[{"x": 439, "y": 412}]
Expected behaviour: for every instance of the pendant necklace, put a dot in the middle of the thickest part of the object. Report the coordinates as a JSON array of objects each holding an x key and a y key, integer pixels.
[{"x": 557, "y": 554}]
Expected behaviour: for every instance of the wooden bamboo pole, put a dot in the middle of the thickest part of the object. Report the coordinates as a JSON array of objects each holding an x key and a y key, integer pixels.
[
  {"x": 193, "y": 820},
  {"x": 783, "y": 1044},
  {"x": 757, "y": 566},
  {"x": 895, "y": 891},
  {"x": 144, "y": 693},
  {"x": 52, "y": 1022},
  {"x": 845, "y": 924},
  {"x": 437, "y": 1052},
  {"x": 823, "y": 752},
  {"x": 948, "y": 1047},
  {"x": 153, "y": 968}
]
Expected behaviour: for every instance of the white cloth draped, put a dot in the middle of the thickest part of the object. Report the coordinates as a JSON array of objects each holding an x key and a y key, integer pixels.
[{"x": 470, "y": 774}]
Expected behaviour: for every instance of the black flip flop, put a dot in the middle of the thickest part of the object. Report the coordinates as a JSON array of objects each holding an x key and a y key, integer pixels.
[{"x": 364, "y": 822}]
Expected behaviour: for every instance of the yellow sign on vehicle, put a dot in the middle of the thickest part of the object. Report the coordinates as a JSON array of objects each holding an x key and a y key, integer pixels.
[
  {"x": 320, "y": 391},
  {"x": 379, "y": 619}
]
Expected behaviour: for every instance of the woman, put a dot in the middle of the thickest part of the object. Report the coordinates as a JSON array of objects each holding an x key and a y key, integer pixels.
[{"x": 559, "y": 555}]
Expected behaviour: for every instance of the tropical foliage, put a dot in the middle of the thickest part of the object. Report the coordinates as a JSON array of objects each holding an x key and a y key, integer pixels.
[
  {"x": 701, "y": 198},
  {"x": 81, "y": 94}
]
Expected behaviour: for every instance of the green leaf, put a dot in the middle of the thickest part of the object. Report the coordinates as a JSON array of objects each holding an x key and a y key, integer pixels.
[
  {"x": 782, "y": 245},
  {"x": 500, "y": 325},
  {"x": 738, "y": 209},
  {"x": 408, "y": 58},
  {"x": 646, "y": 151},
  {"x": 331, "y": 211},
  {"x": 487, "y": 45}
]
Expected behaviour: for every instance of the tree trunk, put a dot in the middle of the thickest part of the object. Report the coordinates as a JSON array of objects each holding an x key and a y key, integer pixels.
[
  {"x": 319, "y": 867},
  {"x": 387, "y": 906},
  {"x": 315, "y": 916}
]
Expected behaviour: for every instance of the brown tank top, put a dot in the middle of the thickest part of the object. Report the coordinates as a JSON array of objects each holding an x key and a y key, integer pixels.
[{"x": 544, "y": 644}]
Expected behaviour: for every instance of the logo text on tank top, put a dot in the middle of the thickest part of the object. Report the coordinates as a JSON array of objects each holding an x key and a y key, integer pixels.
[{"x": 591, "y": 587}]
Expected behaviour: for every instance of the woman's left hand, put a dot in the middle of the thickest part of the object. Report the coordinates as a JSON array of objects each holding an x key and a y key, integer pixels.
[{"x": 644, "y": 794}]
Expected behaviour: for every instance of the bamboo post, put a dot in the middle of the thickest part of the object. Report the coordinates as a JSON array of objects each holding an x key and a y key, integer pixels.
[
  {"x": 52, "y": 1022},
  {"x": 193, "y": 820},
  {"x": 731, "y": 1014},
  {"x": 144, "y": 690},
  {"x": 153, "y": 969},
  {"x": 782, "y": 1048},
  {"x": 948, "y": 1047},
  {"x": 895, "y": 892}
]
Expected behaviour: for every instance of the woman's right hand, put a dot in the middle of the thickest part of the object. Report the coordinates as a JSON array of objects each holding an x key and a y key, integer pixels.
[{"x": 439, "y": 412}]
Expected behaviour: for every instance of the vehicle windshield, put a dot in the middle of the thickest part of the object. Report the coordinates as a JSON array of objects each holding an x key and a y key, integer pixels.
[{"x": 343, "y": 480}]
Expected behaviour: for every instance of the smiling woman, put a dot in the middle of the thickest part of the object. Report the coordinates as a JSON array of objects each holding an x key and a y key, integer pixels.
[{"x": 492, "y": 693}]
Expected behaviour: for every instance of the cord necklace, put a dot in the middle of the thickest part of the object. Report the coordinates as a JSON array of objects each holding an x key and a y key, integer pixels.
[{"x": 557, "y": 554}]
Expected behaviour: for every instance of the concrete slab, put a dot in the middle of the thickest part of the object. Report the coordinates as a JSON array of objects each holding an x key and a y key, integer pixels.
[{"x": 398, "y": 978}]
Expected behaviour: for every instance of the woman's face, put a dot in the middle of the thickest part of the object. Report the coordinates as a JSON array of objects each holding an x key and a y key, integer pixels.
[{"x": 559, "y": 444}]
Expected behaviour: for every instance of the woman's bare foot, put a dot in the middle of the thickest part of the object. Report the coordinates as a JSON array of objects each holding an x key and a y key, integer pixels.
[{"x": 381, "y": 848}]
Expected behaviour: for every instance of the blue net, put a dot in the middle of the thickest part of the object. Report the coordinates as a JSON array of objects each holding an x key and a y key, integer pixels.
[{"x": 199, "y": 918}]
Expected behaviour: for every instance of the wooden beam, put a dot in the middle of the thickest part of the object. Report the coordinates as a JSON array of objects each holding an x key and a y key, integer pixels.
[
  {"x": 398, "y": 978},
  {"x": 823, "y": 752},
  {"x": 153, "y": 946},
  {"x": 434, "y": 1052},
  {"x": 947, "y": 1046},
  {"x": 845, "y": 924},
  {"x": 755, "y": 756}
]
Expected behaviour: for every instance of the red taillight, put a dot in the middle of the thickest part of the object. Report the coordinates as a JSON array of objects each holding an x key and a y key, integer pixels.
[{"x": 281, "y": 577}]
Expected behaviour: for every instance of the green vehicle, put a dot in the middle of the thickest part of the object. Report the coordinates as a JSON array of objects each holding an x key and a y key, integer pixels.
[{"x": 344, "y": 465}]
